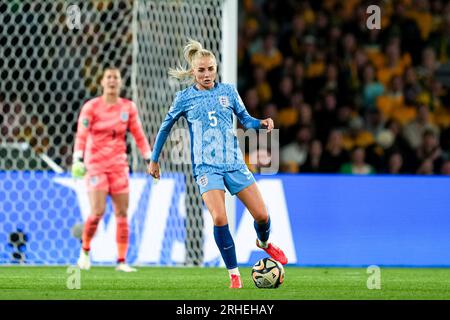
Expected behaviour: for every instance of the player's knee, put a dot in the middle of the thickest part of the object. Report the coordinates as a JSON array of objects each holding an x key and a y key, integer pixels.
[
  {"x": 261, "y": 217},
  {"x": 98, "y": 211},
  {"x": 220, "y": 219}
]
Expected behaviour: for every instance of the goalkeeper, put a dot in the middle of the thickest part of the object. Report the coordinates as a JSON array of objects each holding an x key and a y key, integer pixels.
[
  {"x": 208, "y": 106},
  {"x": 100, "y": 157}
]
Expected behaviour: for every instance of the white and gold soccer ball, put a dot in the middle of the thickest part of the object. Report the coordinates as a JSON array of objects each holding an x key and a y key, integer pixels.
[{"x": 268, "y": 273}]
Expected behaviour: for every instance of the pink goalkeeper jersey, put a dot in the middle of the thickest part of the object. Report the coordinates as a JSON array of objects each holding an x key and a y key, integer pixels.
[{"x": 101, "y": 134}]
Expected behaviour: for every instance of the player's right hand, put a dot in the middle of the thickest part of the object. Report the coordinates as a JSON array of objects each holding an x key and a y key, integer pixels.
[
  {"x": 78, "y": 169},
  {"x": 153, "y": 169}
]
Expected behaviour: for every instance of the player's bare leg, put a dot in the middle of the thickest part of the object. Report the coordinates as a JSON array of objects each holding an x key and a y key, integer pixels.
[
  {"x": 215, "y": 202},
  {"x": 120, "y": 204},
  {"x": 251, "y": 197},
  {"x": 97, "y": 201}
]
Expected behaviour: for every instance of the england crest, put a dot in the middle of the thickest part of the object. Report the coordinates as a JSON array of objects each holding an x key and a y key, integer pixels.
[
  {"x": 224, "y": 102},
  {"x": 203, "y": 181},
  {"x": 93, "y": 180},
  {"x": 124, "y": 116}
]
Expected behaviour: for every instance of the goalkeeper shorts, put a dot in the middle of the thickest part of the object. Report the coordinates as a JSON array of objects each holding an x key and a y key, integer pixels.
[
  {"x": 235, "y": 181},
  {"x": 112, "y": 182}
]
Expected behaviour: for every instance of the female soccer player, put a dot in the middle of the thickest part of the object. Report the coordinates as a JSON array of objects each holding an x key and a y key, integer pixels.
[
  {"x": 208, "y": 107},
  {"x": 100, "y": 156}
]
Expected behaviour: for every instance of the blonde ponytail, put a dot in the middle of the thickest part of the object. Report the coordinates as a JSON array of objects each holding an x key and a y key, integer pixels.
[{"x": 192, "y": 50}]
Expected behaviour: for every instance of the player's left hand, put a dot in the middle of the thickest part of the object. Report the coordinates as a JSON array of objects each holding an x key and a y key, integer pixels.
[{"x": 267, "y": 124}]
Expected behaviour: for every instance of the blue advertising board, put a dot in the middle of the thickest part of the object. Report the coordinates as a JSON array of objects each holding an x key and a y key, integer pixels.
[{"x": 319, "y": 220}]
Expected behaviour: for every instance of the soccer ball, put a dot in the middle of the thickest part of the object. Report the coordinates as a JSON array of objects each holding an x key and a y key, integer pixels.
[{"x": 268, "y": 273}]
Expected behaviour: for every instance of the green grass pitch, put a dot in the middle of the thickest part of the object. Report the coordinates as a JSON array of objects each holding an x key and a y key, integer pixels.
[{"x": 170, "y": 283}]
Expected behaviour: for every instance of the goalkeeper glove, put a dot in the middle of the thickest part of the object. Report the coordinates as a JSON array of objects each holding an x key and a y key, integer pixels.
[{"x": 78, "y": 169}]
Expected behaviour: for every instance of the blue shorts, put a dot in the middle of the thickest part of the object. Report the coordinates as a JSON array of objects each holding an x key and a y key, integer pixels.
[{"x": 235, "y": 181}]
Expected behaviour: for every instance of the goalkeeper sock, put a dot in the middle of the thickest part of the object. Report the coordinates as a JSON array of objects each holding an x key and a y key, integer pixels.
[
  {"x": 225, "y": 244},
  {"x": 262, "y": 232},
  {"x": 89, "y": 230},
  {"x": 122, "y": 233}
]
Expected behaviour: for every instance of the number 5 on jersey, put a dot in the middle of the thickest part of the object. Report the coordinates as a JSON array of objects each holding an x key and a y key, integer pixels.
[{"x": 213, "y": 118}]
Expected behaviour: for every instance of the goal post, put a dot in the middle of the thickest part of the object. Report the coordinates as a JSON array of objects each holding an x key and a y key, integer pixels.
[
  {"x": 51, "y": 61},
  {"x": 229, "y": 75}
]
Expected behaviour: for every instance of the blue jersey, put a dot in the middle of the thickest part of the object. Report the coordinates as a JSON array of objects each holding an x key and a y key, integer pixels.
[{"x": 209, "y": 113}]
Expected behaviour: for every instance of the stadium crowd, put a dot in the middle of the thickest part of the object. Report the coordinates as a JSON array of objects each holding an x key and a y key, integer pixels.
[{"x": 347, "y": 99}]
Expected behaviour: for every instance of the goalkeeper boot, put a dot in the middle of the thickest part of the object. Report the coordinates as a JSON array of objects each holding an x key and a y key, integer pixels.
[
  {"x": 273, "y": 251},
  {"x": 84, "y": 262},
  {"x": 122, "y": 266},
  {"x": 235, "y": 281}
]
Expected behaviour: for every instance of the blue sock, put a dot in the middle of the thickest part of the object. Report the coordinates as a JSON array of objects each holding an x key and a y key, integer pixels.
[
  {"x": 262, "y": 230},
  {"x": 225, "y": 244}
]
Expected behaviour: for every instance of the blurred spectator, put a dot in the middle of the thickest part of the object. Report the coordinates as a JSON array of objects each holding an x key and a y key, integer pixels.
[
  {"x": 313, "y": 163},
  {"x": 411, "y": 88},
  {"x": 285, "y": 90},
  {"x": 252, "y": 104},
  {"x": 298, "y": 76},
  {"x": 292, "y": 38},
  {"x": 371, "y": 88},
  {"x": 445, "y": 169},
  {"x": 297, "y": 114},
  {"x": 261, "y": 84},
  {"x": 355, "y": 134},
  {"x": 428, "y": 65},
  {"x": 414, "y": 130},
  {"x": 334, "y": 155},
  {"x": 375, "y": 122},
  {"x": 429, "y": 153},
  {"x": 392, "y": 103},
  {"x": 426, "y": 167},
  {"x": 271, "y": 111},
  {"x": 358, "y": 164},
  {"x": 268, "y": 57},
  {"x": 309, "y": 51},
  {"x": 436, "y": 98},
  {"x": 394, "y": 63},
  {"x": 406, "y": 29},
  {"x": 316, "y": 64},
  {"x": 18, "y": 126},
  {"x": 439, "y": 39},
  {"x": 332, "y": 40},
  {"x": 331, "y": 79},
  {"x": 325, "y": 115},
  {"x": 294, "y": 154},
  {"x": 395, "y": 163}
]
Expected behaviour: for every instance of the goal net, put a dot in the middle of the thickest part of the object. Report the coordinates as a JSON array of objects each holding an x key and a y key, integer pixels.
[{"x": 52, "y": 56}]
